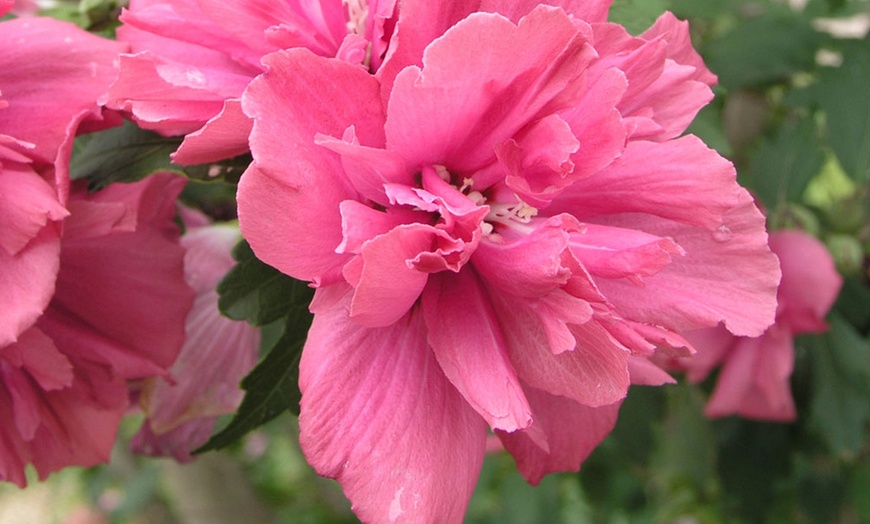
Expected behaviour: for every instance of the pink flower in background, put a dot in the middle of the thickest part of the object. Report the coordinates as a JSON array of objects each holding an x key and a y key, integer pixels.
[
  {"x": 217, "y": 353},
  {"x": 41, "y": 57},
  {"x": 501, "y": 228},
  {"x": 754, "y": 380},
  {"x": 193, "y": 58},
  {"x": 116, "y": 314}
]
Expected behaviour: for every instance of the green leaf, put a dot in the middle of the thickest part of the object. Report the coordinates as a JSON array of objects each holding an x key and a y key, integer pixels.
[
  {"x": 753, "y": 460},
  {"x": 271, "y": 388},
  {"x": 840, "y": 406},
  {"x": 852, "y": 304},
  {"x": 843, "y": 95},
  {"x": 782, "y": 167},
  {"x": 121, "y": 154},
  {"x": 764, "y": 50},
  {"x": 259, "y": 293},
  {"x": 637, "y": 15}
]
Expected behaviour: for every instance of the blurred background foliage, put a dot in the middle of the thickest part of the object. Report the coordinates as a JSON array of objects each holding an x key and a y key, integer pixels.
[{"x": 792, "y": 111}]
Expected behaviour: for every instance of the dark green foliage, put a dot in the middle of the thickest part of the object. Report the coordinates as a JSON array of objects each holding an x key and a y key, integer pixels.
[
  {"x": 261, "y": 295},
  {"x": 121, "y": 154}
]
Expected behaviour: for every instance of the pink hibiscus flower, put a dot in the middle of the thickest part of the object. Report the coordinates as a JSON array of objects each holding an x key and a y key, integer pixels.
[
  {"x": 754, "y": 380},
  {"x": 116, "y": 314},
  {"x": 500, "y": 227},
  {"x": 193, "y": 58},
  {"x": 41, "y": 57},
  {"x": 216, "y": 355}
]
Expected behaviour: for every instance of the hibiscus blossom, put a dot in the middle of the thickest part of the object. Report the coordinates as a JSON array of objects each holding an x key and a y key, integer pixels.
[
  {"x": 754, "y": 380},
  {"x": 41, "y": 57},
  {"x": 193, "y": 58},
  {"x": 116, "y": 314},
  {"x": 500, "y": 226},
  {"x": 217, "y": 353}
]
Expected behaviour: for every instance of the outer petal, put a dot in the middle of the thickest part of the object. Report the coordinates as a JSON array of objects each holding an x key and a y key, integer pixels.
[
  {"x": 810, "y": 282},
  {"x": 100, "y": 275},
  {"x": 295, "y": 184},
  {"x": 41, "y": 58},
  {"x": 470, "y": 347},
  {"x": 476, "y": 90},
  {"x": 754, "y": 382},
  {"x": 572, "y": 431},
  {"x": 27, "y": 283},
  {"x": 170, "y": 97},
  {"x": 69, "y": 425},
  {"x": 680, "y": 180},
  {"x": 379, "y": 416},
  {"x": 27, "y": 204},
  {"x": 727, "y": 275},
  {"x": 224, "y": 136}
]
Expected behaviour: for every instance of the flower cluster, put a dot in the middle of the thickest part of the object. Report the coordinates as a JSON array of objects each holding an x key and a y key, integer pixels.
[{"x": 496, "y": 202}]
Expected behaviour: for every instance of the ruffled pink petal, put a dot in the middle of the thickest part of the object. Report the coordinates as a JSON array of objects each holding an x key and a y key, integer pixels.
[
  {"x": 294, "y": 184},
  {"x": 27, "y": 283},
  {"x": 680, "y": 180},
  {"x": 529, "y": 267},
  {"x": 475, "y": 90},
  {"x": 680, "y": 49},
  {"x": 247, "y": 20},
  {"x": 41, "y": 58},
  {"x": 6, "y": 6},
  {"x": 142, "y": 337},
  {"x": 810, "y": 282},
  {"x": 668, "y": 82},
  {"x": 538, "y": 161},
  {"x": 379, "y": 416},
  {"x": 181, "y": 31},
  {"x": 224, "y": 136},
  {"x": 172, "y": 98},
  {"x": 39, "y": 360},
  {"x": 464, "y": 333},
  {"x": 419, "y": 23},
  {"x": 27, "y": 205},
  {"x": 368, "y": 168},
  {"x": 571, "y": 430},
  {"x": 754, "y": 381},
  {"x": 72, "y": 425},
  {"x": 387, "y": 285},
  {"x": 597, "y": 124},
  {"x": 594, "y": 372},
  {"x": 727, "y": 275}
]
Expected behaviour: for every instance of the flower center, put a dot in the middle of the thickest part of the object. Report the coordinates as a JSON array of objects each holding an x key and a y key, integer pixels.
[
  {"x": 357, "y": 13},
  {"x": 513, "y": 214}
]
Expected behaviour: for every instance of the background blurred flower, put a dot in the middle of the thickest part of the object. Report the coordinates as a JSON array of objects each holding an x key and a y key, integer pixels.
[
  {"x": 217, "y": 353},
  {"x": 116, "y": 314},
  {"x": 755, "y": 374},
  {"x": 41, "y": 57}
]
